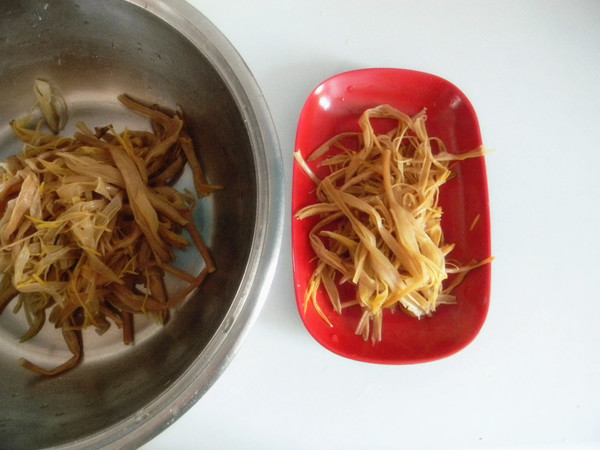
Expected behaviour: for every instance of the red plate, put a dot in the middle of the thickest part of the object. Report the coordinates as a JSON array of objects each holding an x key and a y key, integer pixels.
[{"x": 334, "y": 107}]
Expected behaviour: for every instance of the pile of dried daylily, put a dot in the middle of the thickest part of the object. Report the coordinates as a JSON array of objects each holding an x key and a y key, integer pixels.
[
  {"x": 90, "y": 225},
  {"x": 379, "y": 224}
]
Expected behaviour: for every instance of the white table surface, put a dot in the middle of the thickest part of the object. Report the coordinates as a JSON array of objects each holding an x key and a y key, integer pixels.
[{"x": 531, "y": 377}]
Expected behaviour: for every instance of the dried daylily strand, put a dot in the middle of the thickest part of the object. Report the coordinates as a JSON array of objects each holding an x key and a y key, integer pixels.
[
  {"x": 380, "y": 226},
  {"x": 90, "y": 225},
  {"x": 52, "y": 104}
]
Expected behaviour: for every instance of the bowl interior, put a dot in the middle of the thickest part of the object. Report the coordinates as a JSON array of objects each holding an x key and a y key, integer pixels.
[
  {"x": 92, "y": 52},
  {"x": 335, "y": 107}
]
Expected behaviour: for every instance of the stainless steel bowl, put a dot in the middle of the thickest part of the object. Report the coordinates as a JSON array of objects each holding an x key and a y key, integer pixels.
[{"x": 164, "y": 52}]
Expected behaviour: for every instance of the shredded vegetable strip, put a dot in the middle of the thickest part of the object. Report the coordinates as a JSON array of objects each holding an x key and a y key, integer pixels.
[
  {"x": 90, "y": 225},
  {"x": 380, "y": 219}
]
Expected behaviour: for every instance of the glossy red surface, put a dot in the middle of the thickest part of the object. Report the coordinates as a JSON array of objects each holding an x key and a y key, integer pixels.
[{"x": 334, "y": 107}]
